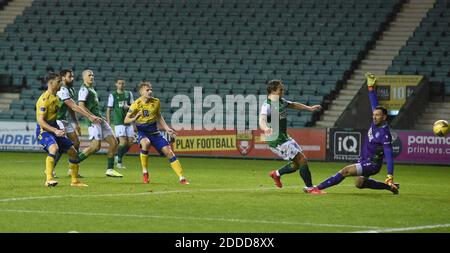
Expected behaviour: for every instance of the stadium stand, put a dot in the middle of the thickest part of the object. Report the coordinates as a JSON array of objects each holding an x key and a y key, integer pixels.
[
  {"x": 427, "y": 52},
  {"x": 227, "y": 47}
]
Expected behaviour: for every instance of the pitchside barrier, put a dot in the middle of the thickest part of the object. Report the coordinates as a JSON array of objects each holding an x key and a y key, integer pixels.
[
  {"x": 334, "y": 144},
  {"x": 418, "y": 147},
  {"x": 245, "y": 144}
]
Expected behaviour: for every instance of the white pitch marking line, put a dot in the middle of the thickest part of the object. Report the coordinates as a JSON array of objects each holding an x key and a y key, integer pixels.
[
  {"x": 147, "y": 193},
  {"x": 214, "y": 219},
  {"x": 405, "y": 229},
  {"x": 144, "y": 193},
  {"x": 139, "y": 193}
]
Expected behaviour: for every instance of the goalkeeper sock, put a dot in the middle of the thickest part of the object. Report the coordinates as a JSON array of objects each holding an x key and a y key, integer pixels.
[
  {"x": 306, "y": 175},
  {"x": 286, "y": 169},
  {"x": 74, "y": 167},
  {"x": 333, "y": 180},
  {"x": 373, "y": 184},
  {"x": 144, "y": 160},
  {"x": 176, "y": 166},
  {"x": 49, "y": 165}
]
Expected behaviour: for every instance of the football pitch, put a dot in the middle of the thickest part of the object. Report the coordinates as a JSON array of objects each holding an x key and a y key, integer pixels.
[{"x": 225, "y": 195}]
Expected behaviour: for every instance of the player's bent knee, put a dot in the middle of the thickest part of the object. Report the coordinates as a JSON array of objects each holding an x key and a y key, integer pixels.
[
  {"x": 301, "y": 158},
  {"x": 113, "y": 145},
  {"x": 345, "y": 172},
  {"x": 130, "y": 141},
  {"x": 359, "y": 183},
  {"x": 145, "y": 144},
  {"x": 53, "y": 149},
  {"x": 168, "y": 152},
  {"x": 95, "y": 146},
  {"x": 348, "y": 171},
  {"x": 112, "y": 142}
]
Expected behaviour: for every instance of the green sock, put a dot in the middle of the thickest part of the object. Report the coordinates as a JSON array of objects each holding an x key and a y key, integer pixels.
[
  {"x": 306, "y": 175},
  {"x": 286, "y": 169},
  {"x": 82, "y": 156},
  {"x": 122, "y": 150},
  {"x": 110, "y": 163}
]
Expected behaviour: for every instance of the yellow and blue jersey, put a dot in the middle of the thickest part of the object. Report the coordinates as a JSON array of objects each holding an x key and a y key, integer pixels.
[
  {"x": 147, "y": 123},
  {"x": 47, "y": 105}
]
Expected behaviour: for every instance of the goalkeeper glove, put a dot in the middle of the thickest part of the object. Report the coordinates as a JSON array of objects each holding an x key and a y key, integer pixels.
[
  {"x": 371, "y": 79},
  {"x": 389, "y": 180}
]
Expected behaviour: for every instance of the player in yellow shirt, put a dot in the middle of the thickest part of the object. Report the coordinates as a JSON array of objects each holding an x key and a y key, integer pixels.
[
  {"x": 146, "y": 113},
  {"x": 50, "y": 136}
]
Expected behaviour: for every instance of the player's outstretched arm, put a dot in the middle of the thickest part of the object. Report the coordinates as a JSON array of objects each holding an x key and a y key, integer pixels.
[
  {"x": 83, "y": 111},
  {"x": 371, "y": 80},
  {"x": 44, "y": 125},
  {"x": 300, "y": 106},
  {"x": 82, "y": 105}
]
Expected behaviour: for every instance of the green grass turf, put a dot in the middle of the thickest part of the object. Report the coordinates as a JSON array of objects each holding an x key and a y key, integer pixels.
[{"x": 225, "y": 195}]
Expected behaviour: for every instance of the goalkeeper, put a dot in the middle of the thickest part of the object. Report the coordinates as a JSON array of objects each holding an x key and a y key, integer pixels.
[{"x": 377, "y": 145}]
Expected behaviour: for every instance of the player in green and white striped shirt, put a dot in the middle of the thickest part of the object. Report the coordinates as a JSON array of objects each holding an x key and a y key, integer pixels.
[
  {"x": 66, "y": 118},
  {"x": 118, "y": 103},
  {"x": 282, "y": 144},
  {"x": 88, "y": 99}
]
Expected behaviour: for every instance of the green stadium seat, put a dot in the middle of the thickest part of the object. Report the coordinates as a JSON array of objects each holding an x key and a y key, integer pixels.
[
  {"x": 324, "y": 90},
  {"x": 19, "y": 114},
  {"x": 5, "y": 115},
  {"x": 16, "y": 105},
  {"x": 29, "y": 105},
  {"x": 30, "y": 114},
  {"x": 207, "y": 43},
  {"x": 309, "y": 89}
]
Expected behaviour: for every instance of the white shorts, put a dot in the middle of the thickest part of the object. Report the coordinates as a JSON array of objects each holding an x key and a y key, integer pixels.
[
  {"x": 124, "y": 131},
  {"x": 66, "y": 126},
  {"x": 288, "y": 150},
  {"x": 99, "y": 131}
]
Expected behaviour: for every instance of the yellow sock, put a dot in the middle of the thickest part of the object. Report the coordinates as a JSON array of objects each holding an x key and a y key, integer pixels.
[
  {"x": 176, "y": 166},
  {"x": 144, "y": 162},
  {"x": 74, "y": 167},
  {"x": 49, "y": 165}
]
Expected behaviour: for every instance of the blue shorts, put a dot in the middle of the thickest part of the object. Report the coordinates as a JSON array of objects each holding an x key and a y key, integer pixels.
[
  {"x": 47, "y": 139},
  {"x": 367, "y": 168},
  {"x": 157, "y": 140}
]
